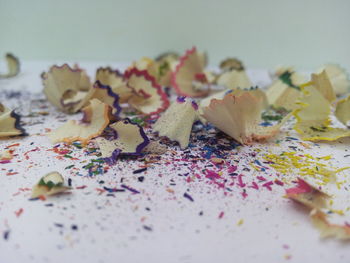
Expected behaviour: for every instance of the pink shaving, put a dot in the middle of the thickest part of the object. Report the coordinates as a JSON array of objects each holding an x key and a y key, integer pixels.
[{"x": 301, "y": 188}]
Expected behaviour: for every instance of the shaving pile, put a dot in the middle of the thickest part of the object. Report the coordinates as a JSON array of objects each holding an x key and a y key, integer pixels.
[{"x": 173, "y": 109}]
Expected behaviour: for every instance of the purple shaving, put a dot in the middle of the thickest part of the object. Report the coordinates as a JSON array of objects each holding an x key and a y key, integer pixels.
[
  {"x": 118, "y": 152},
  {"x": 17, "y": 123},
  {"x": 110, "y": 134},
  {"x": 116, "y": 106},
  {"x": 113, "y": 158},
  {"x": 142, "y": 145}
]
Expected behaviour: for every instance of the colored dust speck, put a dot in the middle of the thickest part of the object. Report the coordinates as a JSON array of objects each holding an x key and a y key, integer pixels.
[
  {"x": 134, "y": 191},
  {"x": 19, "y": 212},
  {"x": 26, "y": 154},
  {"x": 95, "y": 167},
  {"x": 288, "y": 163},
  {"x": 186, "y": 195},
  {"x": 6, "y": 234}
]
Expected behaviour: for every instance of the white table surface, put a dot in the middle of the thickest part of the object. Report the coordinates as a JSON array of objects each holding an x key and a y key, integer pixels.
[{"x": 159, "y": 224}]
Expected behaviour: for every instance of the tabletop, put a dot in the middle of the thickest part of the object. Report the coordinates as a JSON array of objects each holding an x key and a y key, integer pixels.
[{"x": 182, "y": 206}]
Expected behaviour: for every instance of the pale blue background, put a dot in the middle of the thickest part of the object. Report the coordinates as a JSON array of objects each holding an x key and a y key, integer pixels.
[{"x": 263, "y": 34}]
